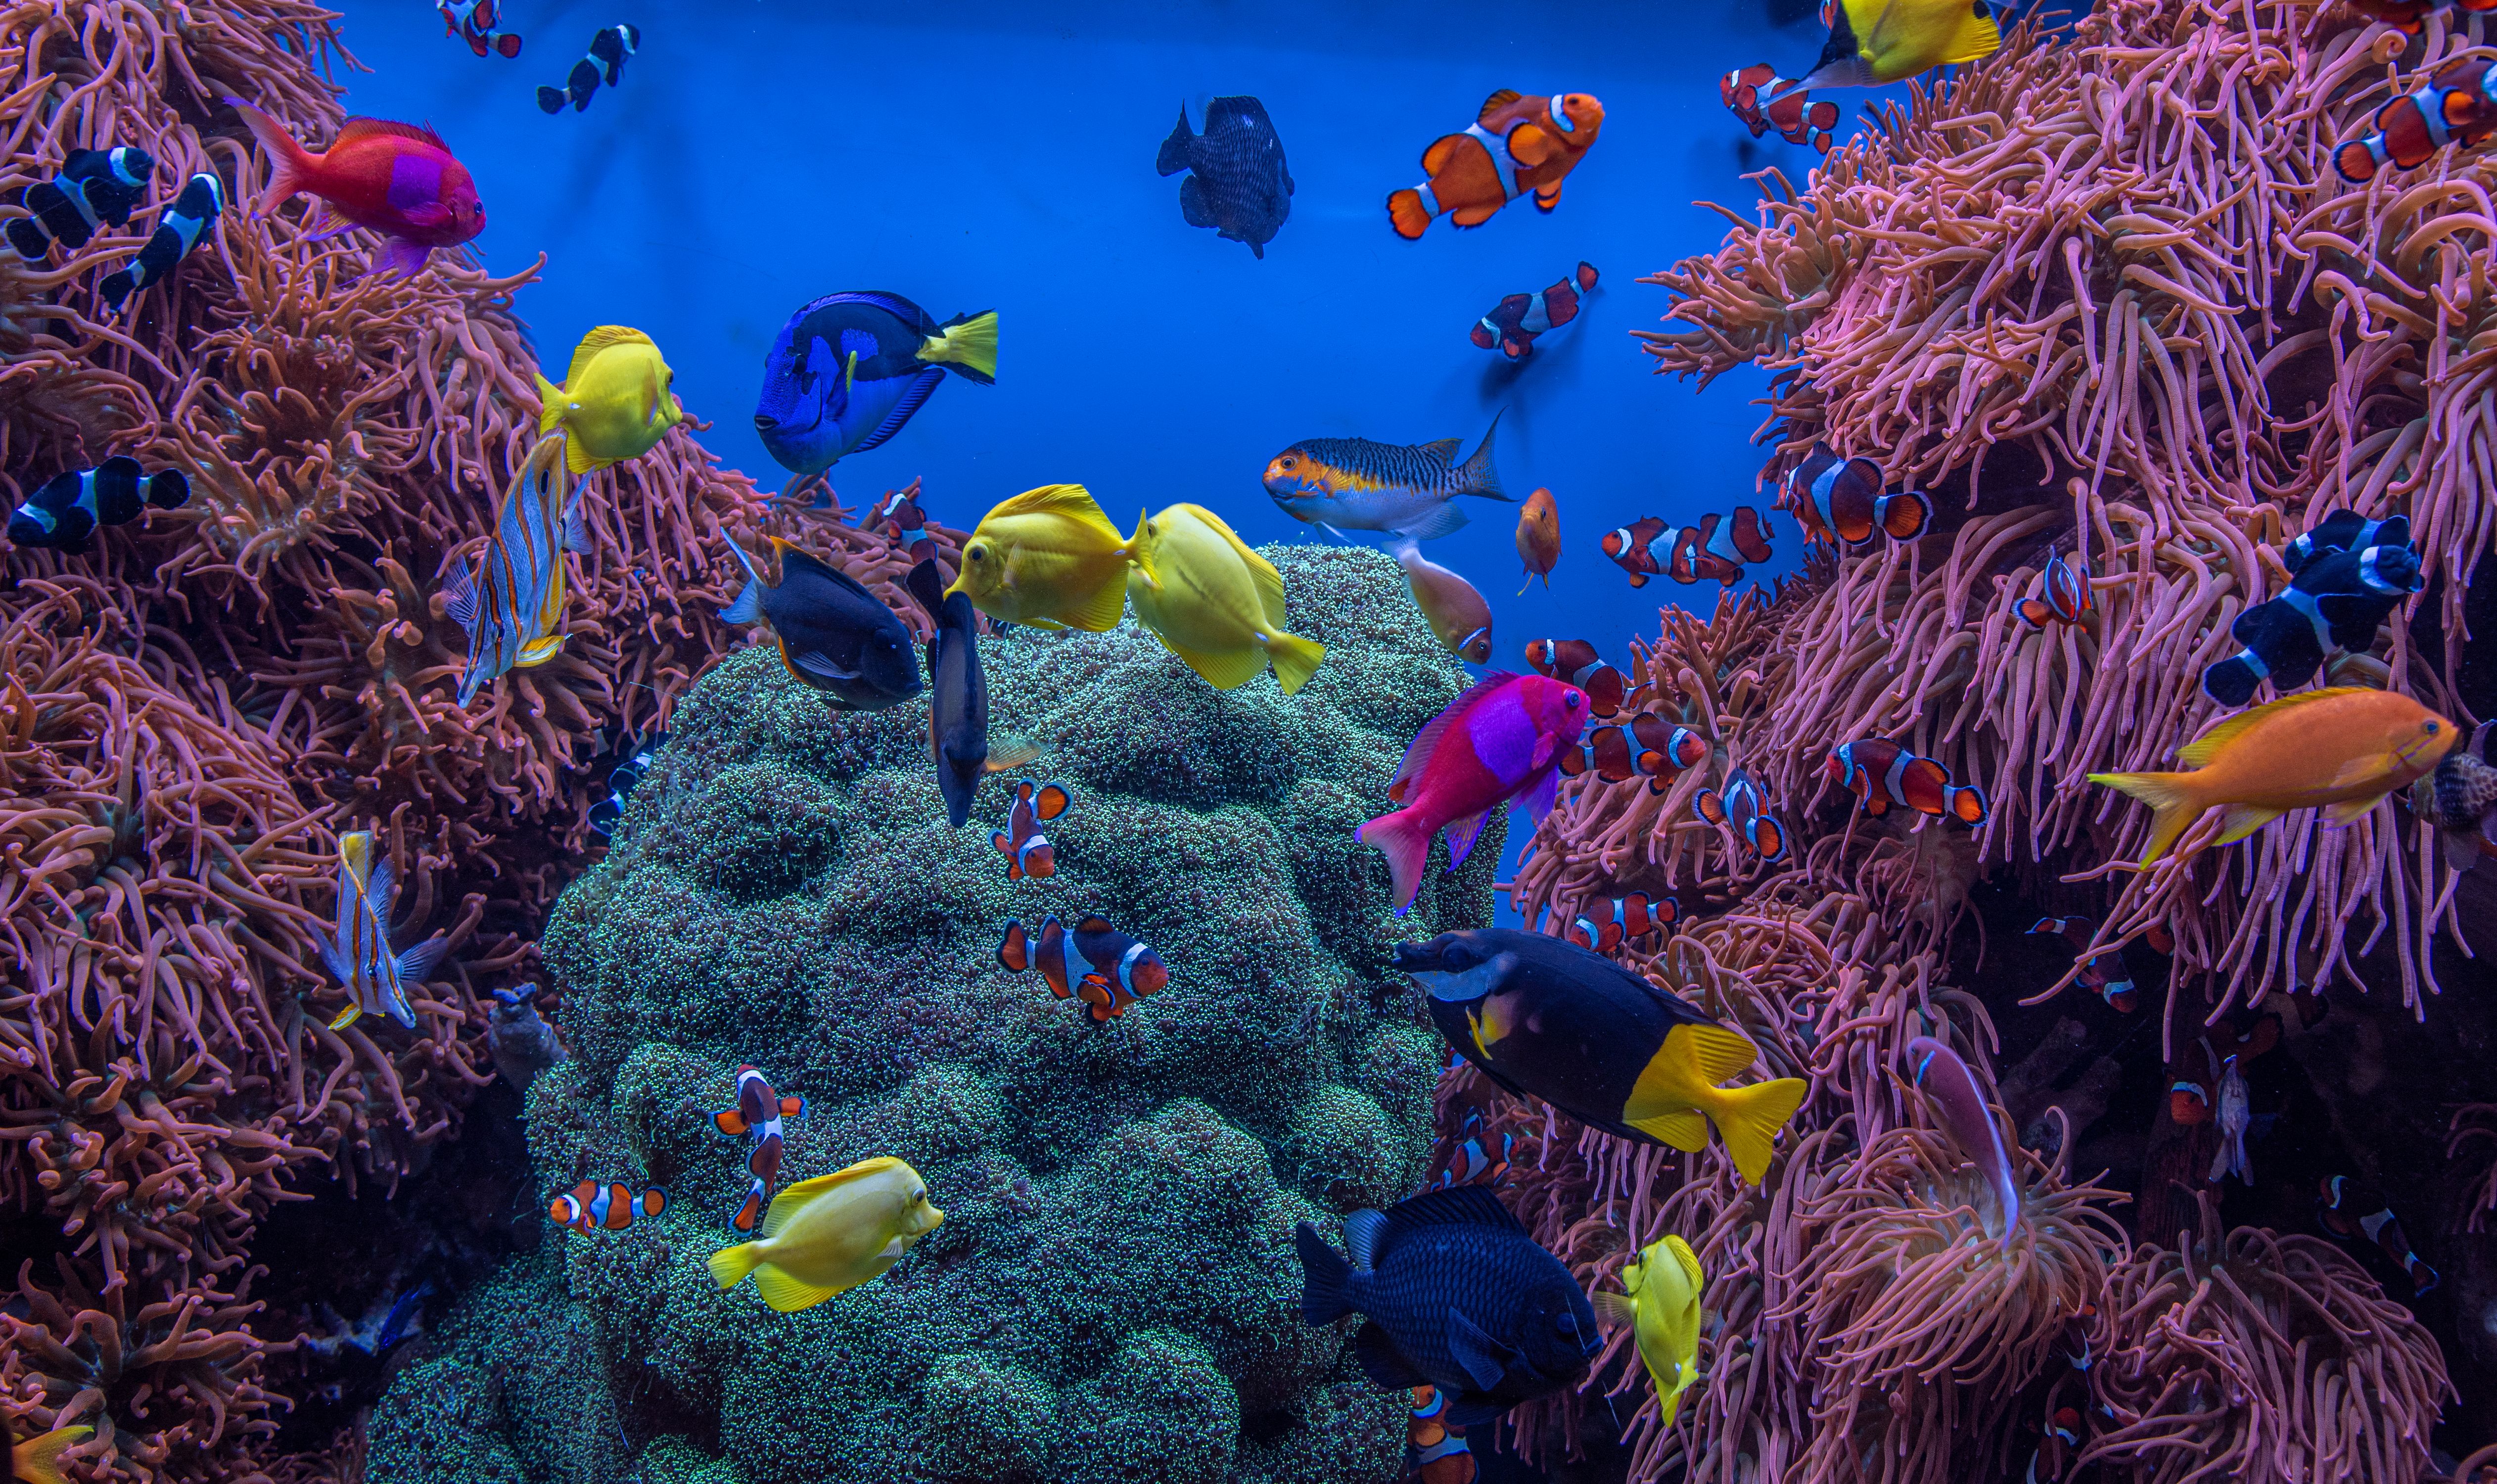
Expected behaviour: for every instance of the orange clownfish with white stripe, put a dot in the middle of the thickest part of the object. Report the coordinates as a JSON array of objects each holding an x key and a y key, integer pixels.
[
  {"x": 592, "y": 1207},
  {"x": 757, "y": 1110},
  {"x": 1517, "y": 145},
  {"x": 1027, "y": 851}
]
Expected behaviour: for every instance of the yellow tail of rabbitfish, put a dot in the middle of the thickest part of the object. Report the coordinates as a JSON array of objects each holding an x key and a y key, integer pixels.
[
  {"x": 972, "y": 343},
  {"x": 38, "y": 1460},
  {"x": 1678, "y": 1086}
]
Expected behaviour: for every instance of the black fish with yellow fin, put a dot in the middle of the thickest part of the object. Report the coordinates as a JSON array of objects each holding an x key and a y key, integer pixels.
[{"x": 1548, "y": 1018}]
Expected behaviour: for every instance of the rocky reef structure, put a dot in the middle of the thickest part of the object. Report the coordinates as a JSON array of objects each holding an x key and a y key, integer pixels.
[
  {"x": 2102, "y": 295},
  {"x": 1112, "y": 1293}
]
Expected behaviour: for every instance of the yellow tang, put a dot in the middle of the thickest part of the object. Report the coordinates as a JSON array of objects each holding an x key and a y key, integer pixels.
[
  {"x": 1214, "y": 603},
  {"x": 614, "y": 402},
  {"x": 1051, "y": 559},
  {"x": 1876, "y": 42},
  {"x": 1662, "y": 1305},
  {"x": 833, "y": 1232}
]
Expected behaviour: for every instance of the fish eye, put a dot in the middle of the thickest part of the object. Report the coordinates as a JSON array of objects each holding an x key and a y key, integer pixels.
[
  {"x": 1290, "y": 463},
  {"x": 1457, "y": 956},
  {"x": 2429, "y": 728},
  {"x": 1568, "y": 1322},
  {"x": 978, "y": 552}
]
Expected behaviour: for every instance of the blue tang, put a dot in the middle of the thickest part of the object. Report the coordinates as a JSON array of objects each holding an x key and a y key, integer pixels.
[{"x": 848, "y": 370}]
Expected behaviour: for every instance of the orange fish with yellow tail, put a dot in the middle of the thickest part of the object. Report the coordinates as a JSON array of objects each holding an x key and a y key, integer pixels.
[
  {"x": 2345, "y": 747},
  {"x": 1516, "y": 146}
]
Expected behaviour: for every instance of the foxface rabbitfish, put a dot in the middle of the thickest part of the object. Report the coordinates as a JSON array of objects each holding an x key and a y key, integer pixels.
[
  {"x": 1237, "y": 183},
  {"x": 849, "y": 369}
]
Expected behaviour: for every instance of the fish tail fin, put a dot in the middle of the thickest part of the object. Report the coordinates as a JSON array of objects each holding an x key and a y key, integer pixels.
[
  {"x": 1476, "y": 476},
  {"x": 549, "y": 403},
  {"x": 1140, "y": 552},
  {"x": 2172, "y": 800},
  {"x": 1748, "y": 1120},
  {"x": 1295, "y": 659},
  {"x": 1173, "y": 157},
  {"x": 39, "y": 1458},
  {"x": 969, "y": 344},
  {"x": 730, "y": 1265},
  {"x": 1326, "y": 1278},
  {"x": 748, "y": 606},
  {"x": 290, "y": 164},
  {"x": 1408, "y": 214},
  {"x": 1405, "y": 838}
]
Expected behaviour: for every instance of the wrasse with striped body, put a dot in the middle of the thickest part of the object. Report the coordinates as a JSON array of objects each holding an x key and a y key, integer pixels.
[
  {"x": 1645, "y": 746},
  {"x": 359, "y": 950},
  {"x": 1635, "y": 917},
  {"x": 1576, "y": 662},
  {"x": 2062, "y": 594},
  {"x": 512, "y": 605},
  {"x": 1764, "y": 101},
  {"x": 1517, "y": 145},
  {"x": 1511, "y": 325},
  {"x": 757, "y": 1110},
  {"x": 1093, "y": 961},
  {"x": 1841, "y": 501},
  {"x": 590, "y": 1207},
  {"x": 1744, "y": 809},
  {"x": 1027, "y": 851},
  {"x": 178, "y": 230},
  {"x": 1355, "y": 484},
  {"x": 2456, "y": 105},
  {"x": 1882, "y": 773}
]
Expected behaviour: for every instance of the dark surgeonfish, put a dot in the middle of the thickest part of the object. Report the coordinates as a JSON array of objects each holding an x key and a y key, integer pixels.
[
  {"x": 957, "y": 711},
  {"x": 95, "y": 187},
  {"x": 1237, "y": 183},
  {"x": 834, "y": 634},
  {"x": 848, "y": 370},
  {"x": 2347, "y": 577},
  {"x": 67, "y": 510},
  {"x": 608, "y": 50},
  {"x": 1548, "y": 1018},
  {"x": 178, "y": 230},
  {"x": 1458, "y": 1296}
]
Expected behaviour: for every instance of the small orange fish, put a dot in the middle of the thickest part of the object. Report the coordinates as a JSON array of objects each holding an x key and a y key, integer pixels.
[
  {"x": 1538, "y": 538},
  {"x": 592, "y": 1207},
  {"x": 1027, "y": 851},
  {"x": 2347, "y": 746},
  {"x": 1456, "y": 612},
  {"x": 1517, "y": 145}
]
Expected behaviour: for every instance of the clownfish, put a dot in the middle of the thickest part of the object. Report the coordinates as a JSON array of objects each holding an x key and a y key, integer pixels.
[
  {"x": 758, "y": 1111},
  {"x": 2064, "y": 594},
  {"x": 1435, "y": 1451},
  {"x": 1841, "y": 501},
  {"x": 1576, "y": 661},
  {"x": 900, "y": 514},
  {"x": 1633, "y": 549},
  {"x": 2410, "y": 16},
  {"x": 1719, "y": 547},
  {"x": 592, "y": 1207},
  {"x": 2188, "y": 1104},
  {"x": 473, "y": 22},
  {"x": 1634, "y": 917},
  {"x": 1645, "y": 746},
  {"x": 1882, "y": 773},
  {"x": 2105, "y": 973},
  {"x": 1471, "y": 1164},
  {"x": 2339, "y": 1210},
  {"x": 178, "y": 229},
  {"x": 1027, "y": 851},
  {"x": 1744, "y": 809},
  {"x": 1764, "y": 101},
  {"x": 1092, "y": 962},
  {"x": 1511, "y": 325},
  {"x": 2457, "y": 105},
  {"x": 1517, "y": 145}
]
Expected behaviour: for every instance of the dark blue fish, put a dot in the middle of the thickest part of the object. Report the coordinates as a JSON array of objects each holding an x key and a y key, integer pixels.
[
  {"x": 958, "y": 709},
  {"x": 849, "y": 369},
  {"x": 834, "y": 634},
  {"x": 1237, "y": 183},
  {"x": 178, "y": 230},
  {"x": 1458, "y": 1297},
  {"x": 2350, "y": 574},
  {"x": 95, "y": 187},
  {"x": 64, "y": 512},
  {"x": 636, "y": 762}
]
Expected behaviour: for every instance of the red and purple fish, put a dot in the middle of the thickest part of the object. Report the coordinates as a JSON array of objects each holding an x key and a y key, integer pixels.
[
  {"x": 1516, "y": 320},
  {"x": 1498, "y": 743},
  {"x": 757, "y": 1110},
  {"x": 397, "y": 179},
  {"x": 1027, "y": 851}
]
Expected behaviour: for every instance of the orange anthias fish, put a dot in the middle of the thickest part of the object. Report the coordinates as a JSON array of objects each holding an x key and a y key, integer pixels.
[
  {"x": 1517, "y": 145},
  {"x": 2347, "y": 746},
  {"x": 1538, "y": 538}
]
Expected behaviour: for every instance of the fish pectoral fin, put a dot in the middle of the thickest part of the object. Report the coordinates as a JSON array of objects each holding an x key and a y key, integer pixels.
[
  {"x": 1005, "y": 756},
  {"x": 1531, "y": 147},
  {"x": 785, "y": 1293},
  {"x": 1686, "y": 1129},
  {"x": 1616, "y": 1309},
  {"x": 2367, "y": 769},
  {"x": 1484, "y": 1360},
  {"x": 2351, "y": 810},
  {"x": 2244, "y": 819},
  {"x": 815, "y": 663},
  {"x": 891, "y": 1253}
]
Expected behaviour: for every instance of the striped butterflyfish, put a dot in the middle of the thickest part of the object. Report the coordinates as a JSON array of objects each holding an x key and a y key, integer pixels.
[{"x": 512, "y": 605}]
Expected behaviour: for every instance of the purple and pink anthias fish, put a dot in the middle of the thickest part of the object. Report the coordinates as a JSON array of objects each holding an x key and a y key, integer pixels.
[
  {"x": 1499, "y": 744},
  {"x": 397, "y": 180}
]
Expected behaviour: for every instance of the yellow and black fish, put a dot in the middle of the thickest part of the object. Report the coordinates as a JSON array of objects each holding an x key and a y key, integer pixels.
[{"x": 1548, "y": 1018}]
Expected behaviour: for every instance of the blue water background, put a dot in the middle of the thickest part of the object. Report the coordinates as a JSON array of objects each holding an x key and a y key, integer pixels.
[{"x": 978, "y": 155}]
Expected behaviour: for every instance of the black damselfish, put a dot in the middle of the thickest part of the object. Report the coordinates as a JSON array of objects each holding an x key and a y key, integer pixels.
[
  {"x": 608, "y": 50},
  {"x": 2348, "y": 576},
  {"x": 178, "y": 230},
  {"x": 1458, "y": 1296},
  {"x": 1237, "y": 181},
  {"x": 64, "y": 512},
  {"x": 95, "y": 187},
  {"x": 1546, "y": 1018}
]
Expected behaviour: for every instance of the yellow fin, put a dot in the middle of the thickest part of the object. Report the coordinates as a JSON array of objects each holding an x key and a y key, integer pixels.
[
  {"x": 1224, "y": 671},
  {"x": 2367, "y": 767},
  {"x": 2199, "y": 752},
  {"x": 1684, "y": 1129},
  {"x": 793, "y": 1199},
  {"x": 1005, "y": 756},
  {"x": 549, "y": 403},
  {"x": 2171, "y": 799},
  {"x": 598, "y": 341},
  {"x": 578, "y": 458},
  {"x": 1072, "y": 502},
  {"x": 1689, "y": 1261},
  {"x": 2244, "y": 819},
  {"x": 347, "y": 1017},
  {"x": 1615, "y": 1308},
  {"x": 38, "y": 1460},
  {"x": 1748, "y": 1118},
  {"x": 972, "y": 343},
  {"x": 729, "y": 1264},
  {"x": 537, "y": 652},
  {"x": 1295, "y": 659},
  {"x": 785, "y": 1293},
  {"x": 1720, "y": 1053}
]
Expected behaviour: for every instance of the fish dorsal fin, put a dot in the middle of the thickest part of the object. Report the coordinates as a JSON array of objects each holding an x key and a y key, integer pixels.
[
  {"x": 595, "y": 341},
  {"x": 1462, "y": 1206},
  {"x": 1689, "y": 1262},
  {"x": 1073, "y": 501},
  {"x": 1445, "y": 449},
  {"x": 2199, "y": 752},
  {"x": 893, "y": 305},
  {"x": 1418, "y": 756},
  {"x": 797, "y": 1197},
  {"x": 1497, "y": 102},
  {"x": 1720, "y": 1053},
  {"x": 799, "y": 559},
  {"x": 1270, "y": 582},
  {"x": 373, "y": 128}
]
